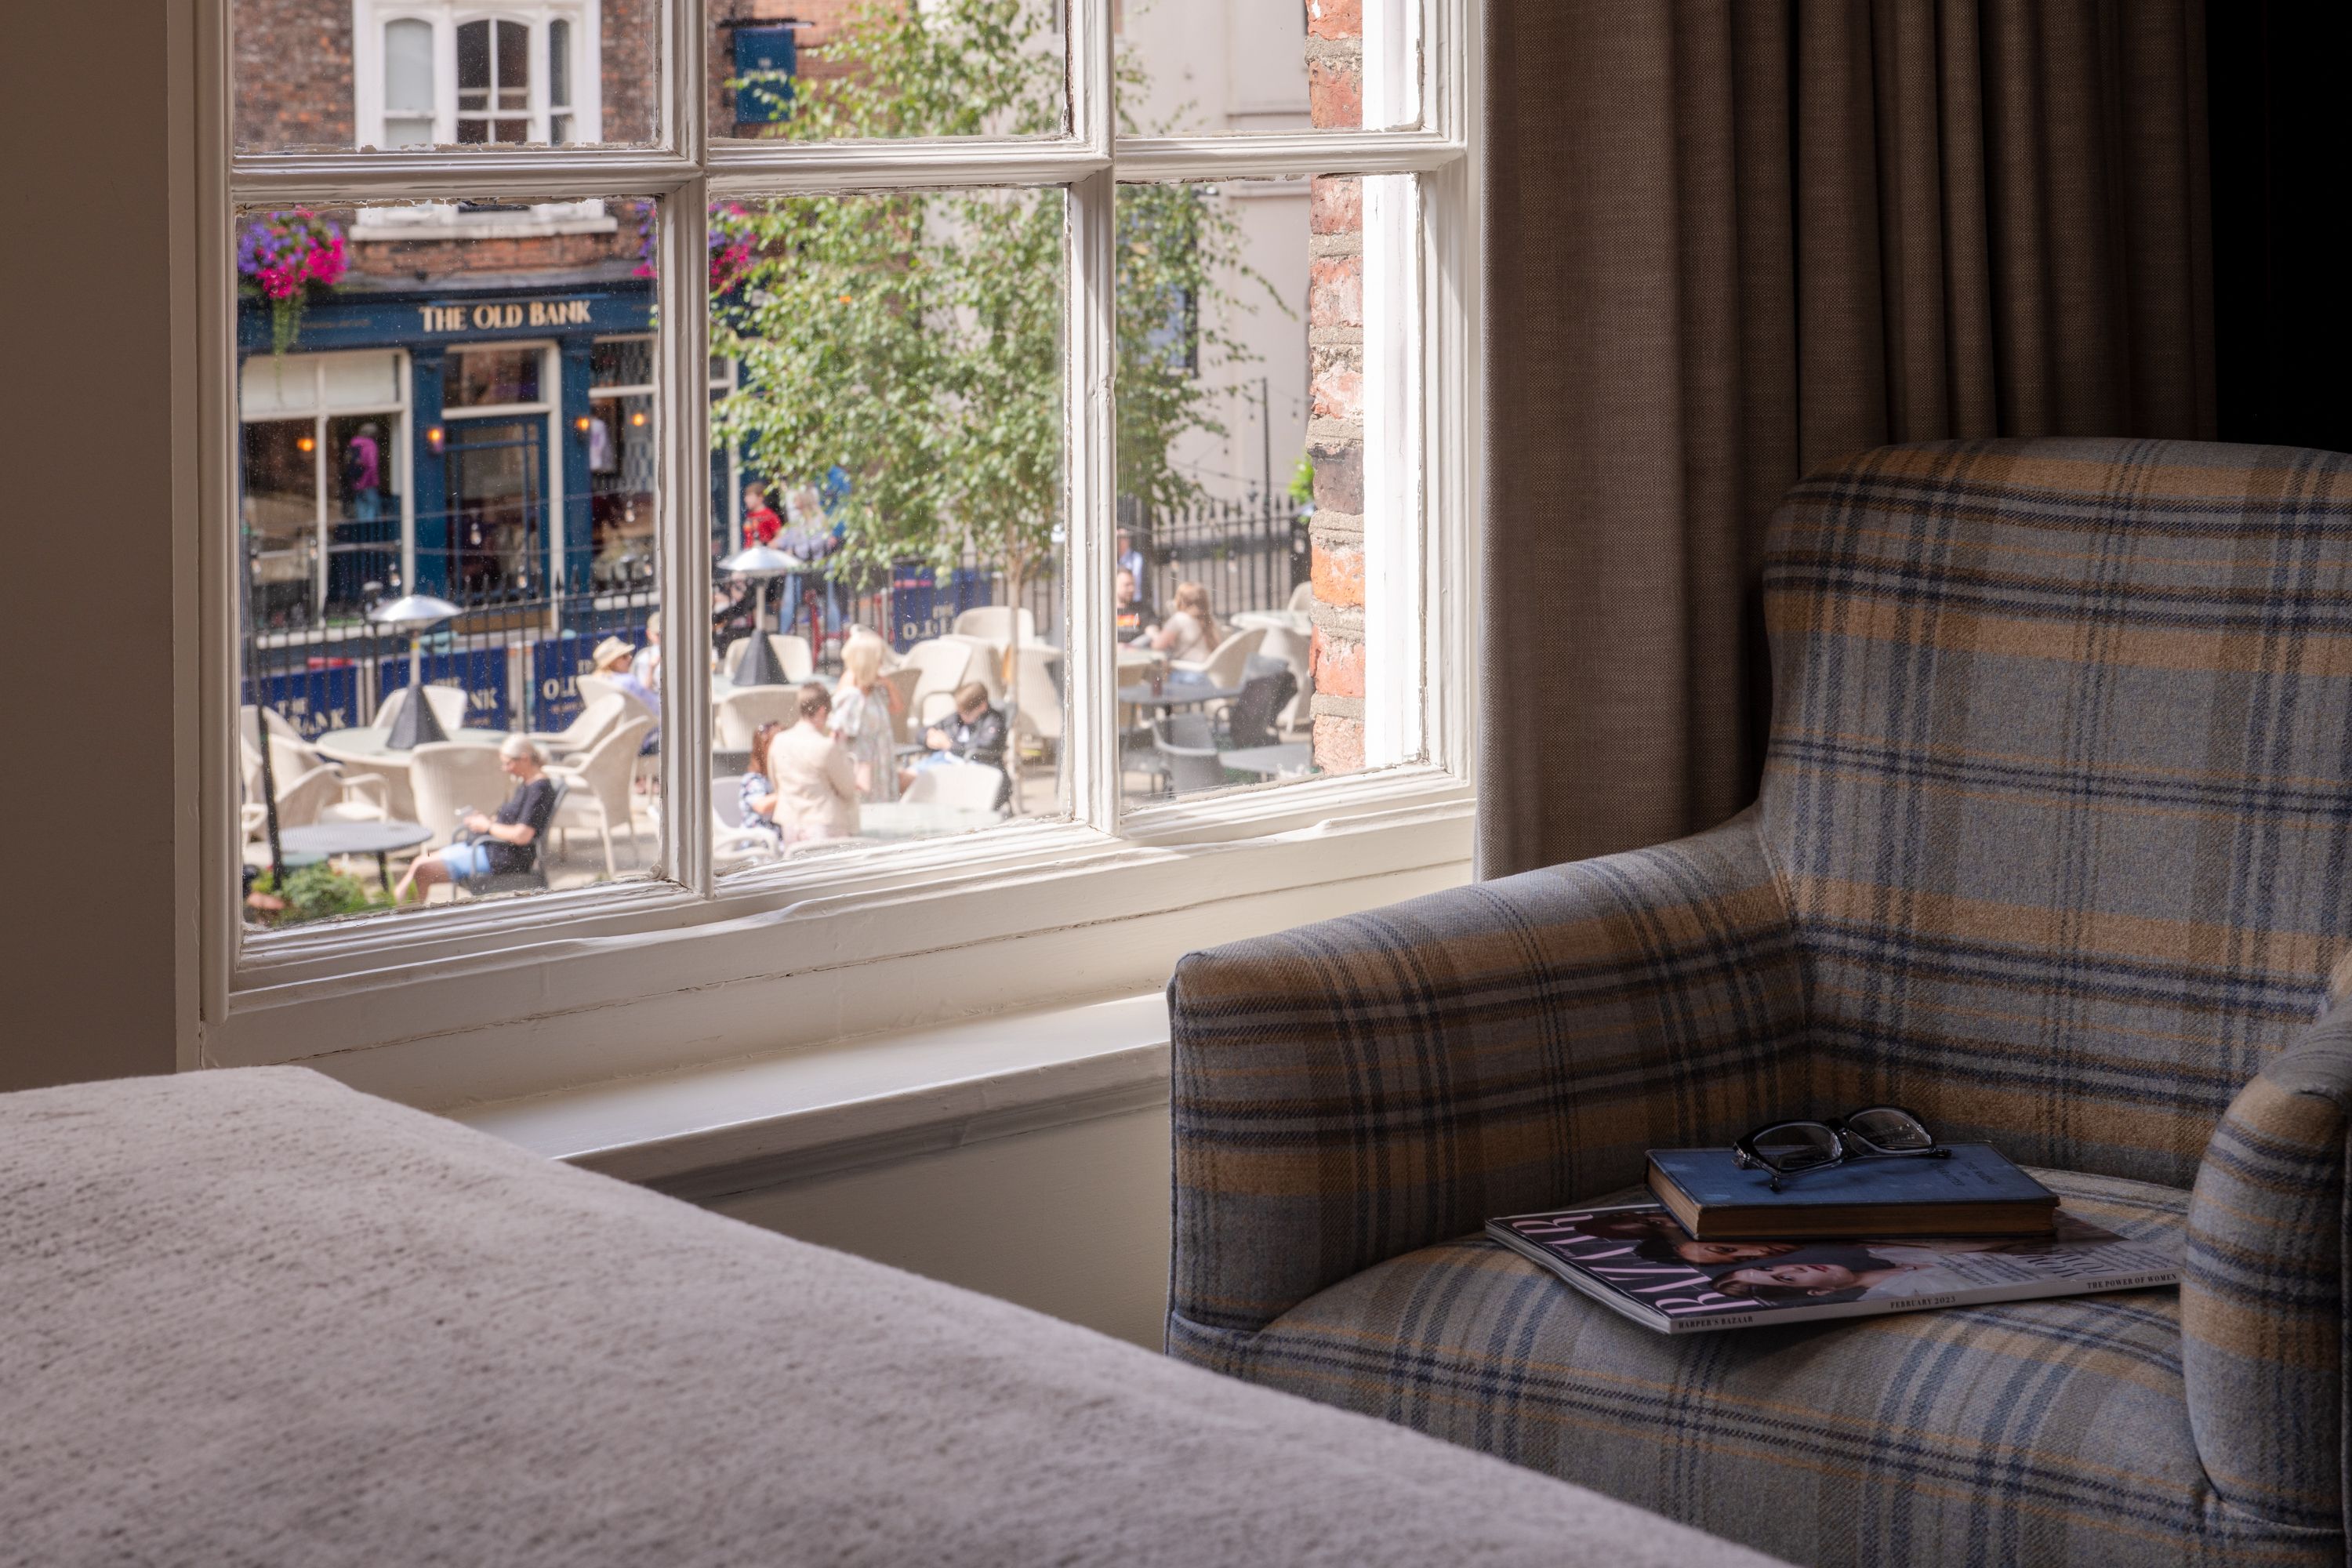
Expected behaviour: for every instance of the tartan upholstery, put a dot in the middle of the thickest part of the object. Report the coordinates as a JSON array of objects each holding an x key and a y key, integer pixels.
[
  {"x": 1356, "y": 1088},
  {"x": 2032, "y": 1432},
  {"x": 2262, "y": 1301},
  {"x": 2052, "y": 848},
  {"x": 2060, "y": 771}
]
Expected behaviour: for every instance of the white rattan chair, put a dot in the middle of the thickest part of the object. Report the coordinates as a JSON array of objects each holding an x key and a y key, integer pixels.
[
  {"x": 994, "y": 623},
  {"x": 1224, "y": 666},
  {"x": 596, "y": 719},
  {"x": 1037, "y": 686},
  {"x": 598, "y": 787},
  {"x": 447, "y": 776},
  {"x": 592, "y": 687},
  {"x": 739, "y": 714},
  {"x": 944, "y": 664}
]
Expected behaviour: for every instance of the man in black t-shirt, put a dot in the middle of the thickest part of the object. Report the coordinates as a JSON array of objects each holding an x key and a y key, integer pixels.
[{"x": 501, "y": 845}]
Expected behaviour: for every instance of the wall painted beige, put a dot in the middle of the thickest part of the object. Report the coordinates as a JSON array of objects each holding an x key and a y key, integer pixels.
[
  {"x": 1071, "y": 1220},
  {"x": 86, "y": 957}
]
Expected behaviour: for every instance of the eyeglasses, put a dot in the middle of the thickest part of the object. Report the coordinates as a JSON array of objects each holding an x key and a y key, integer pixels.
[{"x": 1874, "y": 1133}]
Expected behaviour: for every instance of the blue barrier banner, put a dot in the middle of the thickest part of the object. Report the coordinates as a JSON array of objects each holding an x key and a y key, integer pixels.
[
  {"x": 556, "y": 664},
  {"x": 313, "y": 700},
  {"x": 482, "y": 671},
  {"x": 921, "y": 606}
]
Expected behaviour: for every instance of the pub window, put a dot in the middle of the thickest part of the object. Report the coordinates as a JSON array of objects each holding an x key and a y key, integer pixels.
[{"x": 559, "y": 80}]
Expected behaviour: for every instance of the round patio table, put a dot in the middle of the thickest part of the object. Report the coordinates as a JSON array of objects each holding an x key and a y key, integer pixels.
[
  {"x": 373, "y": 745},
  {"x": 376, "y": 838},
  {"x": 1270, "y": 762},
  {"x": 1177, "y": 694}
]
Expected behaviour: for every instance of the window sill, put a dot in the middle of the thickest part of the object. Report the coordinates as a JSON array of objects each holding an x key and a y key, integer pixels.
[
  {"x": 707, "y": 1132},
  {"x": 647, "y": 981}
]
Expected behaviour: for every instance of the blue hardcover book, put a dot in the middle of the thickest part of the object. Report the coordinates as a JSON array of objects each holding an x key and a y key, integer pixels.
[{"x": 1976, "y": 1192}]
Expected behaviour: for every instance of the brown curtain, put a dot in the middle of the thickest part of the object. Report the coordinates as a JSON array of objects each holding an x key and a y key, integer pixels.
[{"x": 1729, "y": 241}]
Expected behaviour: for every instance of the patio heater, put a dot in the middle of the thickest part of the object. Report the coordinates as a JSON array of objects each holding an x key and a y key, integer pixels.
[
  {"x": 760, "y": 563},
  {"x": 412, "y": 613}
]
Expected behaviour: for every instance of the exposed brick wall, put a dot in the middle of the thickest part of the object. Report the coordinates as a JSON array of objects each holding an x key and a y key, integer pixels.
[
  {"x": 442, "y": 258},
  {"x": 1334, "y": 426},
  {"x": 631, "y": 69},
  {"x": 293, "y": 65},
  {"x": 825, "y": 18}
]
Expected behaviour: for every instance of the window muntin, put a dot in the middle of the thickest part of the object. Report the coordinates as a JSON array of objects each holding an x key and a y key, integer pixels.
[
  {"x": 734, "y": 173},
  {"x": 493, "y": 81}
]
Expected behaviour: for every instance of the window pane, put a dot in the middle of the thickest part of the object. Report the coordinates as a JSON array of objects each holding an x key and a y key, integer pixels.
[
  {"x": 1206, "y": 68},
  {"x": 473, "y": 56},
  {"x": 408, "y": 67},
  {"x": 895, "y": 431},
  {"x": 486, "y": 377},
  {"x": 514, "y": 56},
  {"x": 945, "y": 68},
  {"x": 1253, "y": 383},
  {"x": 558, "y": 63},
  {"x": 622, "y": 361},
  {"x": 308, "y": 80},
  {"x": 383, "y": 458}
]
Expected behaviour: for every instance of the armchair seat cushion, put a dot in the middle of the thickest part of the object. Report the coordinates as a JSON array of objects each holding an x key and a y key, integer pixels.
[{"x": 2042, "y": 1431}]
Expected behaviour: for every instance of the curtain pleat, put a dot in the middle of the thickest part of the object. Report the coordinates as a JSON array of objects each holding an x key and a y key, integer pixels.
[{"x": 1730, "y": 241}]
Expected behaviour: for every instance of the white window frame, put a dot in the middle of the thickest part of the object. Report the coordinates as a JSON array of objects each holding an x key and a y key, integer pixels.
[
  {"x": 497, "y": 998},
  {"x": 394, "y": 456},
  {"x": 369, "y": 18}
]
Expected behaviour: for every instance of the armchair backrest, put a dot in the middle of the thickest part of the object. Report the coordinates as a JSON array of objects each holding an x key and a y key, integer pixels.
[{"x": 2060, "y": 780}]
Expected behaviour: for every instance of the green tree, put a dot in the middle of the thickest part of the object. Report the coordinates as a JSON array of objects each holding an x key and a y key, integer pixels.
[{"x": 914, "y": 338}]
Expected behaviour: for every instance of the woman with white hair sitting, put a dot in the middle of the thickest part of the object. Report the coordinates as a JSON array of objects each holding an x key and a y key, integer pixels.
[{"x": 501, "y": 845}]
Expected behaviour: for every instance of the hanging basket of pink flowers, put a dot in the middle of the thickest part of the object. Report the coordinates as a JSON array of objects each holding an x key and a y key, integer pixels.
[{"x": 287, "y": 258}]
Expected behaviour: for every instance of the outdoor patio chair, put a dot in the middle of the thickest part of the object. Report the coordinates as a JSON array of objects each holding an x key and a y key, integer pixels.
[
  {"x": 595, "y": 719},
  {"x": 599, "y": 786},
  {"x": 971, "y": 786},
  {"x": 593, "y": 687},
  {"x": 1302, "y": 599},
  {"x": 1267, "y": 685},
  {"x": 741, "y": 713},
  {"x": 1224, "y": 666},
  {"x": 1187, "y": 749},
  {"x": 447, "y": 776},
  {"x": 902, "y": 679},
  {"x": 312, "y": 789},
  {"x": 250, "y": 721},
  {"x": 944, "y": 664},
  {"x": 793, "y": 655},
  {"x": 731, "y": 842},
  {"x": 994, "y": 623},
  {"x": 1037, "y": 686},
  {"x": 448, "y": 707},
  {"x": 532, "y": 881}
]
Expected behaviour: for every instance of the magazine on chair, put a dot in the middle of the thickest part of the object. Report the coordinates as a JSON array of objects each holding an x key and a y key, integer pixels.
[{"x": 1635, "y": 1259}]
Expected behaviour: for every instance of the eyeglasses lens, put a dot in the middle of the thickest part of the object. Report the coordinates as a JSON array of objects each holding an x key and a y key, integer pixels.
[
  {"x": 1796, "y": 1145},
  {"x": 1894, "y": 1130}
]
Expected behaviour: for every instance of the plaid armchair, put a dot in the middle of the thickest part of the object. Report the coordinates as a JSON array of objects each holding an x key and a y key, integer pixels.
[{"x": 2052, "y": 848}]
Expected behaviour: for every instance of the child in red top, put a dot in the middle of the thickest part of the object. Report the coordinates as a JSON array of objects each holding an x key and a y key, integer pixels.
[{"x": 761, "y": 524}]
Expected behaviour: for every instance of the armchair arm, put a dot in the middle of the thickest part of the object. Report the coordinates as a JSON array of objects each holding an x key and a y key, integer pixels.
[
  {"x": 1354, "y": 1090},
  {"x": 2263, "y": 1290}
]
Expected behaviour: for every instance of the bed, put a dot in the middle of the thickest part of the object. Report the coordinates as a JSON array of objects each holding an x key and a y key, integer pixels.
[{"x": 255, "y": 1317}]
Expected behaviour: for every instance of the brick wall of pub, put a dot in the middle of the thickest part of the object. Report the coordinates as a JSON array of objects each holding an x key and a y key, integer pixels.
[
  {"x": 1335, "y": 426},
  {"x": 824, "y": 19}
]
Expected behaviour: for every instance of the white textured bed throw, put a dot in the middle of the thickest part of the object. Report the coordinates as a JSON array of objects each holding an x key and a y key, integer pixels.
[{"x": 254, "y": 1318}]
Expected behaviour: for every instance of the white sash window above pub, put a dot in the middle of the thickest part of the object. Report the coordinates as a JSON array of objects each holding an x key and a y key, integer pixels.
[{"x": 431, "y": 73}]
